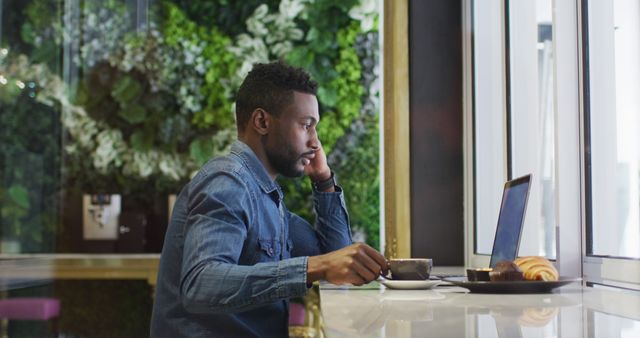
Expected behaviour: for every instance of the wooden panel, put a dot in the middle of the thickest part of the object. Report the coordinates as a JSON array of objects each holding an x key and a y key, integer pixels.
[{"x": 396, "y": 129}]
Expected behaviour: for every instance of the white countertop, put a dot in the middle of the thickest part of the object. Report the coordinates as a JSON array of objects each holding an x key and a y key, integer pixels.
[{"x": 570, "y": 311}]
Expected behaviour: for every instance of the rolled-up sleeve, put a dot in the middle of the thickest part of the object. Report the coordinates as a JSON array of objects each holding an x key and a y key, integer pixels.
[
  {"x": 216, "y": 228},
  {"x": 331, "y": 230},
  {"x": 332, "y": 220}
]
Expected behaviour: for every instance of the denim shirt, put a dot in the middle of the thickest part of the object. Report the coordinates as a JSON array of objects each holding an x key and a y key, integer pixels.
[{"x": 233, "y": 254}]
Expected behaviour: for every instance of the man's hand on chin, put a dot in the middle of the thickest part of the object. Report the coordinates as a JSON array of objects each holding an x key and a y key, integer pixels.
[{"x": 318, "y": 170}]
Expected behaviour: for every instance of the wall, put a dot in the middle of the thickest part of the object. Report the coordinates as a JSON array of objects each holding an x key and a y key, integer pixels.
[{"x": 435, "y": 68}]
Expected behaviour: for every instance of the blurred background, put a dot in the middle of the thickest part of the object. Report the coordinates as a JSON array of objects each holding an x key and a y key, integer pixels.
[{"x": 107, "y": 108}]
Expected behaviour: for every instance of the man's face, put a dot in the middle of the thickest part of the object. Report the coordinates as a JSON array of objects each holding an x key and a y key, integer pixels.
[{"x": 292, "y": 142}]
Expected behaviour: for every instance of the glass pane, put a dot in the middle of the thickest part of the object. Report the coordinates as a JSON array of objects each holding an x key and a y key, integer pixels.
[
  {"x": 107, "y": 108},
  {"x": 532, "y": 113},
  {"x": 614, "y": 128},
  {"x": 489, "y": 135},
  {"x": 605, "y": 325},
  {"x": 30, "y": 131}
]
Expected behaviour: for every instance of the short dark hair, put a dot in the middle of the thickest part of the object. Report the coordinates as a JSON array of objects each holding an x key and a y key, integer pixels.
[{"x": 270, "y": 86}]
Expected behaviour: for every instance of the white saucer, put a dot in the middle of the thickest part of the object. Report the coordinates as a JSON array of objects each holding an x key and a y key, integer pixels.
[{"x": 409, "y": 284}]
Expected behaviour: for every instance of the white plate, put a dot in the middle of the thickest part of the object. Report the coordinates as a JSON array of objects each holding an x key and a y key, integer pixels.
[{"x": 409, "y": 284}]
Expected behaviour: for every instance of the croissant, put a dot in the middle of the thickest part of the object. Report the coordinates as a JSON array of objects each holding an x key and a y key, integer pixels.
[
  {"x": 537, "y": 268},
  {"x": 537, "y": 317}
]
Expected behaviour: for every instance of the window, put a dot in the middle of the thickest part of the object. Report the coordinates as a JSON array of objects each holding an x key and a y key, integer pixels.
[
  {"x": 107, "y": 108},
  {"x": 513, "y": 121},
  {"x": 531, "y": 118},
  {"x": 489, "y": 132},
  {"x": 571, "y": 83},
  {"x": 612, "y": 124},
  {"x": 606, "y": 325}
]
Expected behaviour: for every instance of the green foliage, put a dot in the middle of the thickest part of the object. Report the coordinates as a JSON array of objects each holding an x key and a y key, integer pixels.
[
  {"x": 39, "y": 30},
  {"x": 169, "y": 89},
  {"x": 126, "y": 89},
  {"x": 338, "y": 71},
  {"x": 164, "y": 91},
  {"x": 227, "y": 15},
  {"x": 217, "y": 111},
  {"x": 19, "y": 195},
  {"x": 29, "y": 174},
  {"x": 318, "y": 52},
  {"x": 346, "y": 87},
  {"x": 177, "y": 26},
  {"x": 201, "y": 149},
  {"x": 340, "y": 97},
  {"x": 359, "y": 176}
]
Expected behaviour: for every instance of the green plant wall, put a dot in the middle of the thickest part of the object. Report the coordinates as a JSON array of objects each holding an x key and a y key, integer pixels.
[{"x": 148, "y": 102}]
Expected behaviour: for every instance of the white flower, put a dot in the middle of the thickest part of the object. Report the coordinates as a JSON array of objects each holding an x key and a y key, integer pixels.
[
  {"x": 291, "y": 8},
  {"x": 282, "y": 48},
  {"x": 358, "y": 235},
  {"x": 188, "y": 57},
  {"x": 171, "y": 165},
  {"x": 71, "y": 148},
  {"x": 270, "y": 35},
  {"x": 201, "y": 69},
  {"x": 140, "y": 164},
  {"x": 110, "y": 145},
  {"x": 260, "y": 12},
  {"x": 257, "y": 28},
  {"x": 365, "y": 12}
]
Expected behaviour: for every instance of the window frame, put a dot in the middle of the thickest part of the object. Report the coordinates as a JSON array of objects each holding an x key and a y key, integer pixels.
[
  {"x": 472, "y": 257},
  {"x": 524, "y": 120},
  {"x": 615, "y": 271},
  {"x": 571, "y": 100}
]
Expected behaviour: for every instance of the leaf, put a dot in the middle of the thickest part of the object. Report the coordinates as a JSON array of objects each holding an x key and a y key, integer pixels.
[
  {"x": 141, "y": 140},
  {"x": 201, "y": 149},
  {"x": 26, "y": 33},
  {"x": 312, "y": 34},
  {"x": 300, "y": 57},
  {"x": 327, "y": 96},
  {"x": 80, "y": 97},
  {"x": 19, "y": 195},
  {"x": 133, "y": 113},
  {"x": 126, "y": 89}
]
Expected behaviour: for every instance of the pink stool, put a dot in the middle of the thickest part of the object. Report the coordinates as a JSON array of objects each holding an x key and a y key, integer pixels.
[
  {"x": 31, "y": 309},
  {"x": 296, "y": 314}
]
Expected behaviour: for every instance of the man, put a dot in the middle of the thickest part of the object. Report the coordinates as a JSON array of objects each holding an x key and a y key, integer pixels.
[{"x": 233, "y": 253}]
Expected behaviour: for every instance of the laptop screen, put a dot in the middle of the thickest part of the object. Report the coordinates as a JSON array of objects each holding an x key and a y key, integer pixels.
[{"x": 510, "y": 220}]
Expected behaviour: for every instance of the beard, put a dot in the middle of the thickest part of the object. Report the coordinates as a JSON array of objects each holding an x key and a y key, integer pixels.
[{"x": 283, "y": 158}]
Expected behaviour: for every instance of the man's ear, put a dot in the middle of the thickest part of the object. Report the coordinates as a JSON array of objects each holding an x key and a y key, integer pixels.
[{"x": 260, "y": 121}]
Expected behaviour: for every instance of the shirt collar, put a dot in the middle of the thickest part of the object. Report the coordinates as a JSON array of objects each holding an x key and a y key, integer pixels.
[{"x": 258, "y": 170}]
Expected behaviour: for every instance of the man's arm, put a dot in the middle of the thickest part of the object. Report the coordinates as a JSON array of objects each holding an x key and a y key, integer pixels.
[
  {"x": 342, "y": 262},
  {"x": 356, "y": 264},
  {"x": 216, "y": 228},
  {"x": 332, "y": 220}
]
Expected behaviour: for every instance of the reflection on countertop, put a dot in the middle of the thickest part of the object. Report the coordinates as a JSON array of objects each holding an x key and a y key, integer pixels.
[
  {"x": 570, "y": 311},
  {"x": 25, "y": 270},
  {"x": 100, "y": 295}
]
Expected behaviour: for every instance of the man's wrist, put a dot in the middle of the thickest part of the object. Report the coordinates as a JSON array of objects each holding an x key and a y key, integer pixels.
[
  {"x": 323, "y": 176},
  {"x": 315, "y": 269},
  {"x": 325, "y": 185}
]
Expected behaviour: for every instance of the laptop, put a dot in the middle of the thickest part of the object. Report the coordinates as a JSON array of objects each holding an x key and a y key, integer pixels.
[
  {"x": 513, "y": 206},
  {"x": 510, "y": 220}
]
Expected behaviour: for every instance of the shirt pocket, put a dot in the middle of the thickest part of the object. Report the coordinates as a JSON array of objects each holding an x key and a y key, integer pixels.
[{"x": 268, "y": 250}]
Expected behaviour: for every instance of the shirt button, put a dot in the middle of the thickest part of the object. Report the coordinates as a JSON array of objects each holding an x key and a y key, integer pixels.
[{"x": 270, "y": 251}]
